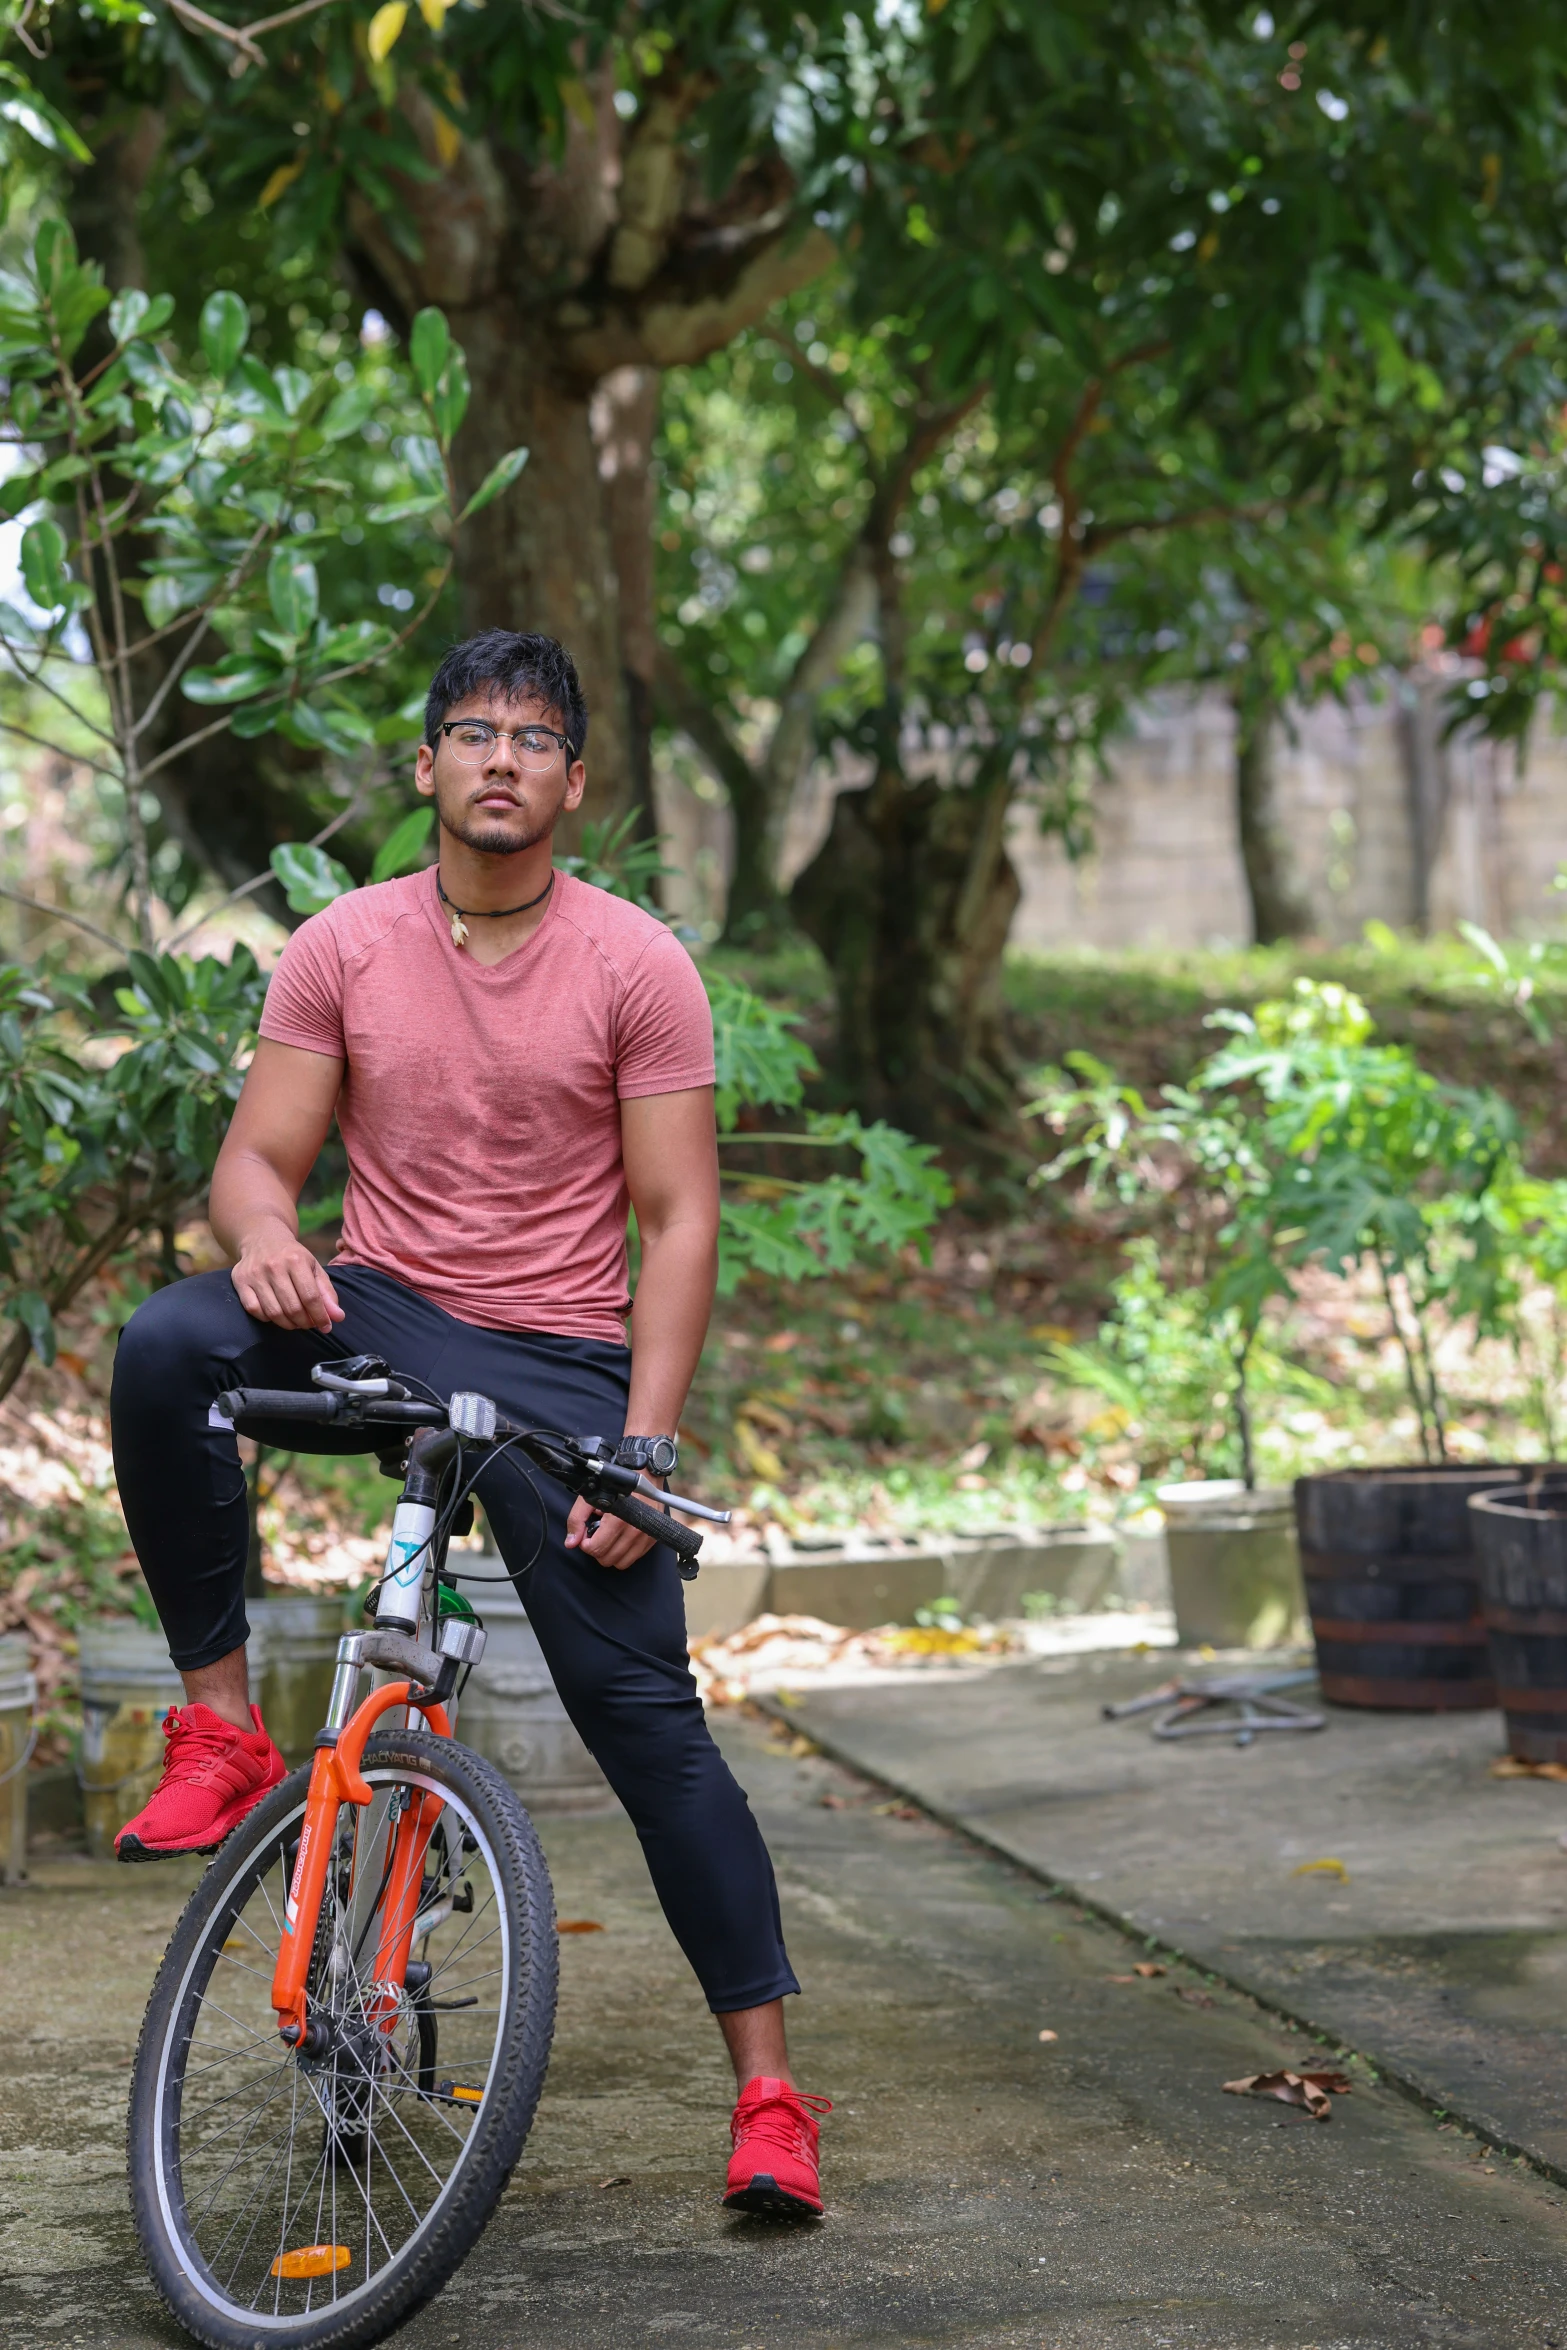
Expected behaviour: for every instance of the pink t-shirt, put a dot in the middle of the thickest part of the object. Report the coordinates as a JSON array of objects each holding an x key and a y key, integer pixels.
[{"x": 481, "y": 1108}]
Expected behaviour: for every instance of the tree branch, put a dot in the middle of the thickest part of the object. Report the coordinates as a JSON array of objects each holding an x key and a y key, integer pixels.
[{"x": 59, "y": 914}]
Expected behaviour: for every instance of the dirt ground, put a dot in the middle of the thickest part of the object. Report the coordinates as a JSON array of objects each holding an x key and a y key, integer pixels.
[{"x": 986, "y": 2188}]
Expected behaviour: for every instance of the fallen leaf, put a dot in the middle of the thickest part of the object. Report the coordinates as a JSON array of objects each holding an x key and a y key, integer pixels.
[
  {"x": 621, "y": 2179},
  {"x": 800, "y": 1746},
  {"x": 578, "y": 1926},
  {"x": 782, "y": 1342},
  {"x": 1050, "y": 2035},
  {"x": 1120, "y": 1978},
  {"x": 834, "y": 1803},
  {"x": 1194, "y": 1998},
  {"x": 1514, "y": 1766},
  {"x": 1322, "y": 1868},
  {"x": 1148, "y": 1967},
  {"x": 1312, "y": 2090}
]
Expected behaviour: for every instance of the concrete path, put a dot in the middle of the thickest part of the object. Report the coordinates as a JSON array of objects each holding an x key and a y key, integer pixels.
[
  {"x": 1441, "y": 1948},
  {"x": 987, "y": 2190}
]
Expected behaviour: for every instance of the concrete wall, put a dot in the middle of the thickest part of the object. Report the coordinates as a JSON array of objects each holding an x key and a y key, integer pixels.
[{"x": 1387, "y": 821}]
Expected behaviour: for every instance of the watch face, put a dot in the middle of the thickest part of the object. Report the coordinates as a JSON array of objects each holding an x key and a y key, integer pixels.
[{"x": 662, "y": 1455}]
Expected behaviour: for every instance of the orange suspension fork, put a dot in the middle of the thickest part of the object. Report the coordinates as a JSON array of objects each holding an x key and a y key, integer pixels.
[{"x": 335, "y": 1779}]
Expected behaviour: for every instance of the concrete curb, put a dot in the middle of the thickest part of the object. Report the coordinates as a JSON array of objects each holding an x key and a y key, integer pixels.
[
  {"x": 1407, "y": 2079},
  {"x": 860, "y": 1586}
]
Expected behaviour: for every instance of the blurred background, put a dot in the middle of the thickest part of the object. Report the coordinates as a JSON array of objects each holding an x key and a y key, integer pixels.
[{"x": 1058, "y": 510}]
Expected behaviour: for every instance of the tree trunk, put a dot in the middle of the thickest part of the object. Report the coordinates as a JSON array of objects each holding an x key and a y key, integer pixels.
[
  {"x": 910, "y": 900},
  {"x": 541, "y": 557},
  {"x": 625, "y": 418},
  {"x": 1277, "y": 911}
]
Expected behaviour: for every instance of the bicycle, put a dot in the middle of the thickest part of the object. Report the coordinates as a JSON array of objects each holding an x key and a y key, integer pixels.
[{"x": 347, "y": 2039}]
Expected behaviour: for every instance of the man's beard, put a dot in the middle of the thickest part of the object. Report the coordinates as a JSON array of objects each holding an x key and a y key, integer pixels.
[{"x": 492, "y": 835}]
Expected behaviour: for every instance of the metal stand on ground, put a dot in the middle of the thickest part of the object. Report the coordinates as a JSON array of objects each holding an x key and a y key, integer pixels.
[{"x": 1236, "y": 1705}]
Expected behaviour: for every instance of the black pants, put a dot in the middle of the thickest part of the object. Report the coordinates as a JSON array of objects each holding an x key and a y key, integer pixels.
[{"x": 614, "y": 1641}]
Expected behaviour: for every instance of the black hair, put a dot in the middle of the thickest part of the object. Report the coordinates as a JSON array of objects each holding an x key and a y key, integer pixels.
[{"x": 500, "y": 661}]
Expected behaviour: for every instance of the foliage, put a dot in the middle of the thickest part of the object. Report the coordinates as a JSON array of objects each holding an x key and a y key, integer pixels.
[
  {"x": 1165, "y": 1362},
  {"x": 99, "y": 1145},
  {"x": 202, "y": 493},
  {"x": 1321, "y": 1146}
]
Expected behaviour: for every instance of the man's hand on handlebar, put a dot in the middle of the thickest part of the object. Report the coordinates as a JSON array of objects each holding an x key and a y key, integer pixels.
[
  {"x": 613, "y": 1543},
  {"x": 278, "y": 1280}
]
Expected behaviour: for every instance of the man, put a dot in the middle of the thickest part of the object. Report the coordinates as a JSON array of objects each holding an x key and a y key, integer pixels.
[{"x": 511, "y": 1056}]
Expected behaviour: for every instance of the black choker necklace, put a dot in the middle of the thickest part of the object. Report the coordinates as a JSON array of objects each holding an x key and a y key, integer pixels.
[{"x": 461, "y": 916}]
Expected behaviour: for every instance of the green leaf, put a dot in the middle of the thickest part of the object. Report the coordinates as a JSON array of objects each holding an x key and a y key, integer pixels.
[
  {"x": 258, "y": 395},
  {"x": 31, "y": 112},
  {"x": 428, "y": 346},
  {"x": 33, "y": 1313},
  {"x": 335, "y": 727},
  {"x": 500, "y": 477},
  {"x": 293, "y": 388},
  {"x": 225, "y": 330},
  {"x": 405, "y": 509},
  {"x": 401, "y": 847},
  {"x": 353, "y": 408},
  {"x": 18, "y": 491},
  {"x": 450, "y": 403},
  {"x": 311, "y": 879},
  {"x": 293, "y": 590},
  {"x": 234, "y": 679},
  {"x": 254, "y": 719},
  {"x": 43, "y": 563},
  {"x": 126, "y": 313}
]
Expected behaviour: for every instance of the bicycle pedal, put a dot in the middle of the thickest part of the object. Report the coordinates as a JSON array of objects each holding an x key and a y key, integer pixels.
[{"x": 459, "y": 2093}]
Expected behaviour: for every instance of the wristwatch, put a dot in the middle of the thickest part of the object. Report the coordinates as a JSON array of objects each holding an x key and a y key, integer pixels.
[{"x": 655, "y": 1456}]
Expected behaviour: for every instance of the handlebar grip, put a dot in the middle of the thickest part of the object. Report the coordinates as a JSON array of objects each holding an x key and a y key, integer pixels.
[
  {"x": 277, "y": 1403},
  {"x": 647, "y": 1520}
]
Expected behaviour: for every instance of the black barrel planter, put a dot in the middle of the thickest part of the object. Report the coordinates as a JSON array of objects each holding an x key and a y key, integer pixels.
[
  {"x": 1521, "y": 1540},
  {"x": 1392, "y": 1584}
]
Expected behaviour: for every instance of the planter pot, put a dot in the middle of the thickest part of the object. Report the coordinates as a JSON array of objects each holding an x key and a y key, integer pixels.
[
  {"x": 512, "y": 1714},
  {"x": 18, "y": 1697},
  {"x": 128, "y": 1685},
  {"x": 293, "y": 1655},
  {"x": 1520, "y": 1537},
  {"x": 1393, "y": 1585},
  {"x": 1234, "y": 1573}
]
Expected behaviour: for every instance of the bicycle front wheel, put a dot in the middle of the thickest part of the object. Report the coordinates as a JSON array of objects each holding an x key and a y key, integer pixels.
[{"x": 317, "y": 2199}]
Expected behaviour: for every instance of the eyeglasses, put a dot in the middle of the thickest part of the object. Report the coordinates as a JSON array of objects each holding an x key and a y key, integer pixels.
[{"x": 473, "y": 739}]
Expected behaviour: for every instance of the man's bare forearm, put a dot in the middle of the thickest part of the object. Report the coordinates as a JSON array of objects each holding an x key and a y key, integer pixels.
[
  {"x": 247, "y": 1193},
  {"x": 669, "y": 1324}
]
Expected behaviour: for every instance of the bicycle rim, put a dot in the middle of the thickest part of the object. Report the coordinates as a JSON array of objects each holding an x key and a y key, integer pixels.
[{"x": 297, "y": 2187}]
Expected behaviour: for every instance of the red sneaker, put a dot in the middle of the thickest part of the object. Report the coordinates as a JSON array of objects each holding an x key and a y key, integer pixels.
[
  {"x": 774, "y": 2164},
  {"x": 213, "y": 1775}
]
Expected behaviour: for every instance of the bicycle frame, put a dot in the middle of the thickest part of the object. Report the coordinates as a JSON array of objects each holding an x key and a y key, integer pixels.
[{"x": 335, "y": 1779}]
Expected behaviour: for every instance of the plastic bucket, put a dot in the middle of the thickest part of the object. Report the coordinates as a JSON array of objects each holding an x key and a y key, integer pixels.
[
  {"x": 1392, "y": 1582},
  {"x": 1234, "y": 1568},
  {"x": 18, "y": 1702},
  {"x": 1521, "y": 1543},
  {"x": 293, "y": 1655},
  {"x": 511, "y": 1712},
  {"x": 128, "y": 1685}
]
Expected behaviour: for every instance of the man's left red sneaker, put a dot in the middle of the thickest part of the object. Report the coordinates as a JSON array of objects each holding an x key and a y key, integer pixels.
[{"x": 774, "y": 2166}]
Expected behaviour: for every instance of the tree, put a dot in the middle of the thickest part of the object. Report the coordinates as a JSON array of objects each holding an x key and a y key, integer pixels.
[
  {"x": 1196, "y": 275},
  {"x": 589, "y": 197},
  {"x": 218, "y": 481}
]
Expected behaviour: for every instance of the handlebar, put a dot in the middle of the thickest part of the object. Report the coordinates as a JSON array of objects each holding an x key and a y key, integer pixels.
[
  {"x": 295, "y": 1403},
  {"x": 583, "y": 1466}
]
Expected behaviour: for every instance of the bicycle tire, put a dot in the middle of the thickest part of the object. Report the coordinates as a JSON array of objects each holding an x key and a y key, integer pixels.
[
  {"x": 649, "y": 1520},
  {"x": 494, "y": 1824}
]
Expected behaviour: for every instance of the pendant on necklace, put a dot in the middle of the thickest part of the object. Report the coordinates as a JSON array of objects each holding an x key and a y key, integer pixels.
[{"x": 459, "y": 929}]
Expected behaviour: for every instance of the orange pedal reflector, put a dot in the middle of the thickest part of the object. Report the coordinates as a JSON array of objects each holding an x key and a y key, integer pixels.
[
  {"x": 312, "y": 2260},
  {"x": 466, "y": 2096}
]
